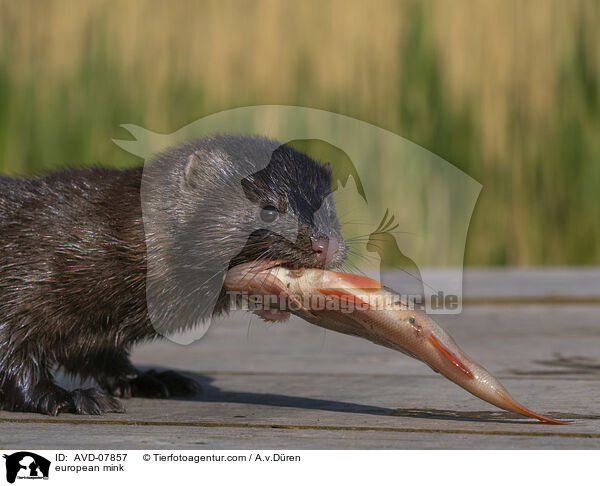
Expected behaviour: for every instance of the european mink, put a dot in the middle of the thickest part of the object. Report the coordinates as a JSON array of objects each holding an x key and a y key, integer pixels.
[{"x": 75, "y": 256}]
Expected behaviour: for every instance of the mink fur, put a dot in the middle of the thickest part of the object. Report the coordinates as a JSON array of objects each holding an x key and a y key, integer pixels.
[{"x": 74, "y": 260}]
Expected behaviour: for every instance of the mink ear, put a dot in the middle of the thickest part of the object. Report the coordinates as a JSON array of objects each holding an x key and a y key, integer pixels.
[
  {"x": 200, "y": 166},
  {"x": 191, "y": 171},
  {"x": 206, "y": 166}
]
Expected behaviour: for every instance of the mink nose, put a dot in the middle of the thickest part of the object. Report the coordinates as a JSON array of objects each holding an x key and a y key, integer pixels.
[{"x": 324, "y": 247}]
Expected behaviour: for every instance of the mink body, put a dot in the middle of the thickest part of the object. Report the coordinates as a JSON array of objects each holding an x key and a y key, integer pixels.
[{"x": 74, "y": 260}]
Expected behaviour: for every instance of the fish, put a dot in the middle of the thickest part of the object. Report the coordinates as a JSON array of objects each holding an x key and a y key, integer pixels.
[{"x": 360, "y": 306}]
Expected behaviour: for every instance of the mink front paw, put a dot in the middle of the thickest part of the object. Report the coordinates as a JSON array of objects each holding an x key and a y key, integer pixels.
[
  {"x": 152, "y": 384},
  {"x": 164, "y": 384}
]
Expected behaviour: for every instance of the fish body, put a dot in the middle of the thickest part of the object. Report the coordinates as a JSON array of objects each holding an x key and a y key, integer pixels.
[{"x": 362, "y": 307}]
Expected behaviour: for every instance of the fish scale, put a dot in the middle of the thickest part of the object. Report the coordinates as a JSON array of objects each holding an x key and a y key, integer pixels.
[{"x": 362, "y": 307}]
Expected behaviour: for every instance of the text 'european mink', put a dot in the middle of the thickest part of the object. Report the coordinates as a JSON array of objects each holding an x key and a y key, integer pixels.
[{"x": 93, "y": 260}]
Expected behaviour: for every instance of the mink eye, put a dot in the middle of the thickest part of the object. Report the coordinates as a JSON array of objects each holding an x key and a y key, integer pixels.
[
  {"x": 269, "y": 214},
  {"x": 411, "y": 320}
]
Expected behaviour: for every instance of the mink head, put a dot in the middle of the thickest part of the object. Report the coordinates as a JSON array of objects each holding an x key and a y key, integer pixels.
[
  {"x": 295, "y": 189},
  {"x": 243, "y": 199}
]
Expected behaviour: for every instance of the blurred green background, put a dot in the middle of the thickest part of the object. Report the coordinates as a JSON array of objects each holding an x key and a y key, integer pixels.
[{"x": 507, "y": 91}]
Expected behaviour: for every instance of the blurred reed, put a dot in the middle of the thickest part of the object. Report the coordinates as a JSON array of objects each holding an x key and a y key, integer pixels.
[{"x": 508, "y": 91}]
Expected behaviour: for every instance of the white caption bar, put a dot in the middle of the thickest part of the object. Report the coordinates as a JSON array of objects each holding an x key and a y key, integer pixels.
[{"x": 266, "y": 467}]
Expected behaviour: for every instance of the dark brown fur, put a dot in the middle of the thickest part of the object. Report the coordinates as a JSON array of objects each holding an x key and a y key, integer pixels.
[{"x": 73, "y": 263}]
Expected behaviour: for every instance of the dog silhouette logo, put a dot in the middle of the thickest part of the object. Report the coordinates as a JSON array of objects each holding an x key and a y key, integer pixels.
[
  {"x": 403, "y": 211},
  {"x": 26, "y": 465}
]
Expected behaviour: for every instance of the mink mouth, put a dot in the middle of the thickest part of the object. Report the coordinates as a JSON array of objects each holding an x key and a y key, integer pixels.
[
  {"x": 267, "y": 264},
  {"x": 292, "y": 266},
  {"x": 264, "y": 264}
]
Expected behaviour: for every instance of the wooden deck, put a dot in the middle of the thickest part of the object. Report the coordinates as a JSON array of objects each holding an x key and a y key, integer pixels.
[{"x": 294, "y": 386}]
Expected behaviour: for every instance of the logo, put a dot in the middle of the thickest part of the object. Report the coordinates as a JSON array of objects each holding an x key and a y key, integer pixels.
[
  {"x": 26, "y": 465},
  {"x": 403, "y": 212}
]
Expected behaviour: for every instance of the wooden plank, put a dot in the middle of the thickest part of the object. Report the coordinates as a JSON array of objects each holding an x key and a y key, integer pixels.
[{"x": 292, "y": 385}]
